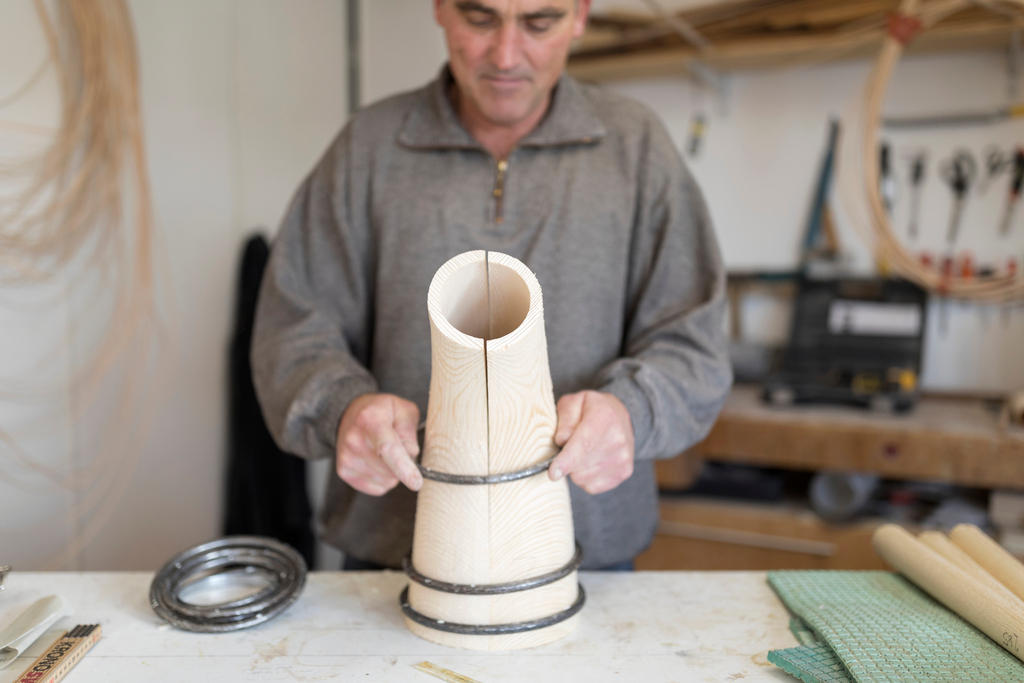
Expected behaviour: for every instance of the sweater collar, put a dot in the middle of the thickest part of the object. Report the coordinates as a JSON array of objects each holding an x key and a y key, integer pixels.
[{"x": 432, "y": 123}]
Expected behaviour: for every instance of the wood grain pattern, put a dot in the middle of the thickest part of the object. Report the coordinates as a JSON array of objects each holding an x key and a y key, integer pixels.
[
  {"x": 491, "y": 410},
  {"x": 956, "y": 589}
]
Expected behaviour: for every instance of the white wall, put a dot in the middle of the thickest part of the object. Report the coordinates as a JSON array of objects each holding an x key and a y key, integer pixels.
[
  {"x": 402, "y": 47},
  {"x": 239, "y": 98}
]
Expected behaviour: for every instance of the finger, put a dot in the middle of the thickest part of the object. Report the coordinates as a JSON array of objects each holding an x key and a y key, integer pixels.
[
  {"x": 398, "y": 460},
  {"x": 357, "y": 454},
  {"x": 570, "y": 457},
  {"x": 603, "y": 476},
  {"x": 570, "y": 411},
  {"x": 407, "y": 420},
  {"x": 362, "y": 473}
]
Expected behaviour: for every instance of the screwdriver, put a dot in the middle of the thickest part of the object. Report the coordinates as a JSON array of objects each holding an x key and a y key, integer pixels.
[
  {"x": 996, "y": 161},
  {"x": 1015, "y": 186},
  {"x": 947, "y": 273},
  {"x": 886, "y": 182},
  {"x": 958, "y": 171},
  {"x": 916, "y": 180}
]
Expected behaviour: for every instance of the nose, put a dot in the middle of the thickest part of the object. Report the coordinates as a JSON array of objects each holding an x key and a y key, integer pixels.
[{"x": 505, "y": 51}]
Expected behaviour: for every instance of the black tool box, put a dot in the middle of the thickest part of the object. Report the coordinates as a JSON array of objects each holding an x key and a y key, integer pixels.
[{"x": 854, "y": 341}]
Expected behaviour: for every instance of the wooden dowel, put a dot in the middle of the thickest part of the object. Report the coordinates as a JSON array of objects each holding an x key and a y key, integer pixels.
[
  {"x": 990, "y": 555},
  {"x": 952, "y": 586},
  {"x": 940, "y": 543}
]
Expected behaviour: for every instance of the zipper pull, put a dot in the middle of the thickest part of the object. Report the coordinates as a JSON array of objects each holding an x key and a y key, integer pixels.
[{"x": 499, "y": 191}]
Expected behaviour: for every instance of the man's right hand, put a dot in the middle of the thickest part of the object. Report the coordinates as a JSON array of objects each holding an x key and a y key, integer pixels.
[{"x": 377, "y": 444}]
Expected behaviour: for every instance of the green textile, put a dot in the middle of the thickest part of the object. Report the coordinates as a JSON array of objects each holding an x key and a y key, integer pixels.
[
  {"x": 877, "y": 626},
  {"x": 811, "y": 663}
]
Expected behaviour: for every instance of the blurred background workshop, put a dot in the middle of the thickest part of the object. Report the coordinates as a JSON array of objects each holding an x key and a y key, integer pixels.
[{"x": 862, "y": 163}]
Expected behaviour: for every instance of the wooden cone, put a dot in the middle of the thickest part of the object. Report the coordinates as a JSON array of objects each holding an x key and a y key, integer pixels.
[{"x": 491, "y": 410}]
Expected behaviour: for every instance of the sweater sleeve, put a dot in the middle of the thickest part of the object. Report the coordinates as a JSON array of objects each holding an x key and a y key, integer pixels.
[
  {"x": 674, "y": 373},
  {"x": 311, "y": 339}
]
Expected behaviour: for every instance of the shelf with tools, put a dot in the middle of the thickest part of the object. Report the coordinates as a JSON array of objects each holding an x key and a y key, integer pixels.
[{"x": 959, "y": 441}]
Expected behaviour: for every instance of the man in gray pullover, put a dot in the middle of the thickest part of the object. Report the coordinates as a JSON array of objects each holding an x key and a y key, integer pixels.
[{"x": 502, "y": 152}]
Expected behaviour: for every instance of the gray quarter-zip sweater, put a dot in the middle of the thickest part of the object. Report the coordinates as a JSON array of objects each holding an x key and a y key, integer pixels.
[{"x": 595, "y": 200}]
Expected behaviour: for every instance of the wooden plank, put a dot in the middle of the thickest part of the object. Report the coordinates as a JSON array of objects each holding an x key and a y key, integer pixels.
[
  {"x": 954, "y": 440},
  {"x": 708, "y": 534}
]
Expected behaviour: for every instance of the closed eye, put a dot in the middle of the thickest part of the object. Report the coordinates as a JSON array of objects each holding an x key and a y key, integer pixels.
[
  {"x": 541, "y": 24},
  {"x": 480, "y": 18}
]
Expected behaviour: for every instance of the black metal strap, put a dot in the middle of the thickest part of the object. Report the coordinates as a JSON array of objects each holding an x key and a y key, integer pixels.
[
  {"x": 495, "y": 588},
  {"x": 502, "y": 477},
  {"x": 491, "y": 629}
]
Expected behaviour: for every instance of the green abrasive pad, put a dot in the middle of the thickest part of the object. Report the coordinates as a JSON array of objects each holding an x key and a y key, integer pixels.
[{"x": 877, "y": 626}]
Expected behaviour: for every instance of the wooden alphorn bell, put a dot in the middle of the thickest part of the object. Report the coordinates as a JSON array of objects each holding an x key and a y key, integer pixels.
[{"x": 494, "y": 558}]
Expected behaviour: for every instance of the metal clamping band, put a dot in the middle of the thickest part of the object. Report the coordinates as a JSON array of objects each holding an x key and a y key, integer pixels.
[
  {"x": 491, "y": 629},
  {"x": 233, "y": 560},
  {"x": 495, "y": 588},
  {"x": 502, "y": 477}
]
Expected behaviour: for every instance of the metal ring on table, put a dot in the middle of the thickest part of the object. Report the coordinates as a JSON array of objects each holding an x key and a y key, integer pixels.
[
  {"x": 495, "y": 588},
  {"x": 229, "y": 559},
  {"x": 476, "y": 479},
  {"x": 491, "y": 629}
]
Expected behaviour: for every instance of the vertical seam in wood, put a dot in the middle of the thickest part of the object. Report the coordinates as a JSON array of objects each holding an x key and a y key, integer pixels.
[{"x": 487, "y": 412}]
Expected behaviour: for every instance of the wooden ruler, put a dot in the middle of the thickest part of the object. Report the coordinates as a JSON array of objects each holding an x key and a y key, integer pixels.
[{"x": 61, "y": 657}]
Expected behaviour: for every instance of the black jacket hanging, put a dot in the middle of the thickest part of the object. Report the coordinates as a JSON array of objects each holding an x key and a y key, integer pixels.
[{"x": 266, "y": 487}]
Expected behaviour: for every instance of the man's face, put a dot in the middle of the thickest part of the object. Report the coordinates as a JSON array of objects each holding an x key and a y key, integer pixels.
[{"x": 506, "y": 55}]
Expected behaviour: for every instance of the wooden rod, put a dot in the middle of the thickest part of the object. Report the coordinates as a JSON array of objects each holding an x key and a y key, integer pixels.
[
  {"x": 940, "y": 543},
  {"x": 990, "y": 555},
  {"x": 952, "y": 586}
]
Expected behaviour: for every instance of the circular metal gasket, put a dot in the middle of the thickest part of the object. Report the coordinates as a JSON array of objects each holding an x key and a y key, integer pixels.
[
  {"x": 234, "y": 561},
  {"x": 495, "y": 588},
  {"x": 491, "y": 629},
  {"x": 476, "y": 479}
]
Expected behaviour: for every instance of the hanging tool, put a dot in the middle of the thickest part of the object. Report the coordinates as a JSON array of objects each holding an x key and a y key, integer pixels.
[
  {"x": 996, "y": 161},
  {"x": 886, "y": 181},
  {"x": 958, "y": 171},
  {"x": 698, "y": 126},
  {"x": 946, "y": 271},
  {"x": 966, "y": 268},
  {"x": 966, "y": 271},
  {"x": 1015, "y": 186},
  {"x": 820, "y": 241},
  {"x": 917, "y": 163}
]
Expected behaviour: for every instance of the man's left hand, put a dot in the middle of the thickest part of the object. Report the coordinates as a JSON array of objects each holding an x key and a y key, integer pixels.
[{"x": 596, "y": 435}]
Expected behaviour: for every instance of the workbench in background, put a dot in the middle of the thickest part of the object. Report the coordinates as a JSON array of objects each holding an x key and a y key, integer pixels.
[
  {"x": 346, "y": 626},
  {"x": 961, "y": 441}
]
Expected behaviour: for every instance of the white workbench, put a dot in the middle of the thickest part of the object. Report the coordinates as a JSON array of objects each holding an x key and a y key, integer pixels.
[{"x": 635, "y": 626}]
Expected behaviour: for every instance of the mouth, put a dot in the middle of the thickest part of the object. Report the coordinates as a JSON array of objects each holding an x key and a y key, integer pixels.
[{"x": 505, "y": 82}]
